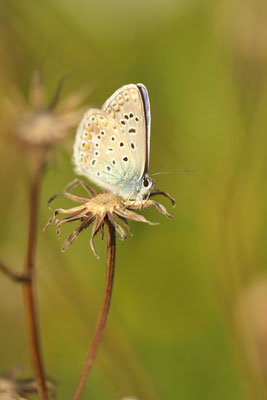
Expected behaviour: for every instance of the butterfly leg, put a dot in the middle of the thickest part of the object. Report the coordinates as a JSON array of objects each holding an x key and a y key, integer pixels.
[
  {"x": 127, "y": 202},
  {"x": 140, "y": 199},
  {"x": 144, "y": 201}
]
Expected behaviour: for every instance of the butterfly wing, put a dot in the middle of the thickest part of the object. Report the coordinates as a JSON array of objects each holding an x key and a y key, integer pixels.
[
  {"x": 130, "y": 109},
  {"x": 102, "y": 153}
]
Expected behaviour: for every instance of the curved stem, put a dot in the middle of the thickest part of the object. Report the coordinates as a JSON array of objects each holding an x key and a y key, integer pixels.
[
  {"x": 14, "y": 275},
  {"x": 102, "y": 318},
  {"x": 29, "y": 285}
]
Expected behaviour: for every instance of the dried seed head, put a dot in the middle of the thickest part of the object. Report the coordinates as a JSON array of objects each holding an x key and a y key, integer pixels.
[
  {"x": 38, "y": 124},
  {"x": 13, "y": 388},
  {"x": 98, "y": 209}
]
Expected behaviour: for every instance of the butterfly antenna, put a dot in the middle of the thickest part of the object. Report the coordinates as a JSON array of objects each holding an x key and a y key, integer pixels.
[{"x": 173, "y": 172}]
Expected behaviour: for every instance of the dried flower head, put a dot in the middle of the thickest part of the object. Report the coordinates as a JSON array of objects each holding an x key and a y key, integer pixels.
[
  {"x": 14, "y": 388},
  {"x": 100, "y": 207},
  {"x": 37, "y": 123}
]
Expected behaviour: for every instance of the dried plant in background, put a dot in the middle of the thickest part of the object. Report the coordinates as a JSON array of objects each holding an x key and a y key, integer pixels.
[
  {"x": 12, "y": 387},
  {"x": 250, "y": 321},
  {"x": 129, "y": 398},
  {"x": 105, "y": 210},
  {"x": 37, "y": 122},
  {"x": 37, "y": 127}
]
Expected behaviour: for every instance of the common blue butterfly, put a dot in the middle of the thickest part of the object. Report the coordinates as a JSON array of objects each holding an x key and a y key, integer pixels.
[{"x": 111, "y": 148}]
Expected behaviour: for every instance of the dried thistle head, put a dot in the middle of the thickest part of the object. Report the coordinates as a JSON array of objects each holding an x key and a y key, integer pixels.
[
  {"x": 36, "y": 123},
  {"x": 14, "y": 388},
  {"x": 98, "y": 209}
]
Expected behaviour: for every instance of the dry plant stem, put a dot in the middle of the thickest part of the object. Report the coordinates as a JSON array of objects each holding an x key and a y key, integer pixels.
[
  {"x": 14, "y": 275},
  {"x": 29, "y": 285},
  {"x": 110, "y": 268}
]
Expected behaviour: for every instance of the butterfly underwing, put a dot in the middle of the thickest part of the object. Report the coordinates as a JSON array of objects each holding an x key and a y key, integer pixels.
[{"x": 111, "y": 148}]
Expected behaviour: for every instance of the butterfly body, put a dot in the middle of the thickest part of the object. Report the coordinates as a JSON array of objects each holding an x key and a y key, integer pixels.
[{"x": 112, "y": 144}]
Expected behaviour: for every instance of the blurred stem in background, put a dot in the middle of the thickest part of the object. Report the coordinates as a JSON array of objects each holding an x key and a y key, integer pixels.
[
  {"x": 37, "y": 128},
  {"x": 28, "y": 277}
]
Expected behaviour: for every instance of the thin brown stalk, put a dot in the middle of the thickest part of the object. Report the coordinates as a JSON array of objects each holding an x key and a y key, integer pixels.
[
  {"x": 29, "y": 285},
  {"x": 102, "y": 318}
]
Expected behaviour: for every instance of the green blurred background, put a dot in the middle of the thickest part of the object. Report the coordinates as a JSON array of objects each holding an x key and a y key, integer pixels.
[{"x": 188, "y": 318}]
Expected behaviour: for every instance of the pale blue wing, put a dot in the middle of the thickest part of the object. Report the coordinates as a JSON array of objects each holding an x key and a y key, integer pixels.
[{"x": 103, "y": 155}]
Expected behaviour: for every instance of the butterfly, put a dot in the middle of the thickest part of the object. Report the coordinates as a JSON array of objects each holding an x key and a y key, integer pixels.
[{"x": 111, "y": 148}]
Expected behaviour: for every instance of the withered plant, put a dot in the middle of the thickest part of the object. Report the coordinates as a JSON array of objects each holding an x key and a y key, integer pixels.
[
  {"x": 36, "y": 127},
  {"x": 104, "y": 211}
]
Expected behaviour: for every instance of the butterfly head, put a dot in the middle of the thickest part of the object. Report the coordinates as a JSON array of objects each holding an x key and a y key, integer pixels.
[
  {"x": 147, "y": 183},
  {"x": 144, "y": 188}
]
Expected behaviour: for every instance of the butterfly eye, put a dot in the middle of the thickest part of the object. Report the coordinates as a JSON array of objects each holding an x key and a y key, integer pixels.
[{"x": 146, "y": 182}]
